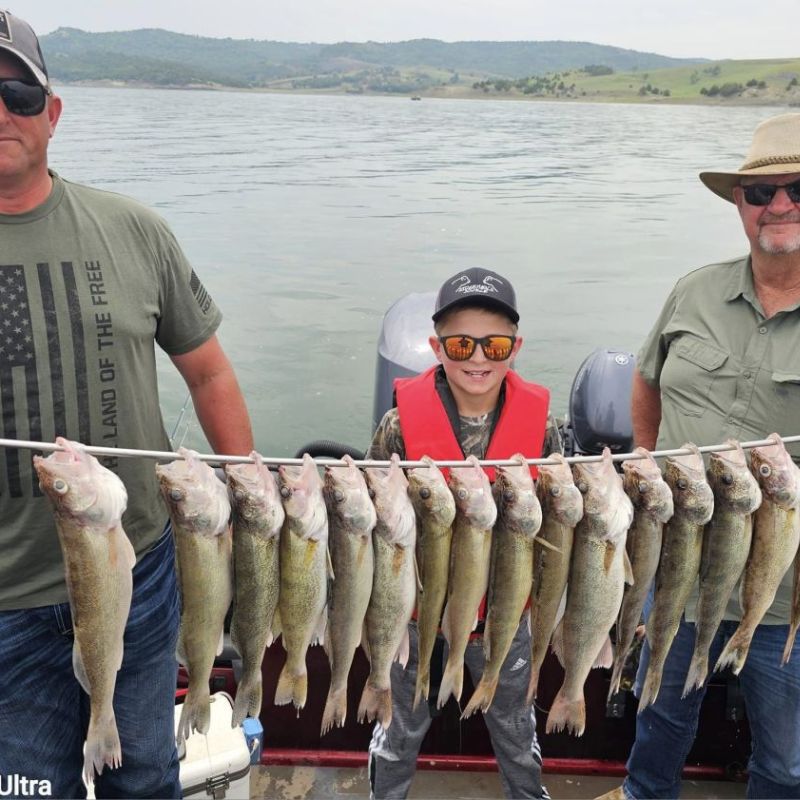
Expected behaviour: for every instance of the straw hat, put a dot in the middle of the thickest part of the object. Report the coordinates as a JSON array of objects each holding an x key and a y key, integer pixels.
[{"x": 775, "y": 150}]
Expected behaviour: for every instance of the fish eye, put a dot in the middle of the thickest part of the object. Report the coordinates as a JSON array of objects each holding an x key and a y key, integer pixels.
[
  {"x": 508, "y": 495},
  {"x": 727, "y": 479},
  {"x": 175, "y": 494},
  {"x": 371, "y": 492},
  {"x": 239, "y": 495},
  {"x": 424, "y": 492},
  {"x": 60, "y": 486},
  {"x": 582, "y": 487},
  {"x": 286, "y": 492},
  {"x": 643, "y": 486},
  {"x": 682, "y": 483},
  {"x": 765, "y": 470},
  {"x": 555, "y": 491},
  {"x": 463, "y": 494},
  {"x": 338, "y": 495}
]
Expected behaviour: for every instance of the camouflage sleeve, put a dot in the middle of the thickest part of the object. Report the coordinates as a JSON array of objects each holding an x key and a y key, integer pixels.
[
  {"x": 388, "y": 438},
  {"x": 553, "y": 442}
]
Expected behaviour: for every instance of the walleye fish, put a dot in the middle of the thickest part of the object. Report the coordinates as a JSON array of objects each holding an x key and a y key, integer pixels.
[
  {"x": 597, "y": 575},
  {"x": 88, "y": 502},
  {"x": 794, "y": 620},
  {"x": 679, "y": 562},
  {"x": 726, "y": 545},
  {"x": 257, "y": 519},
  {"x": 562, "y": 509},
  {"x": 199, "y": 508},
  {"x": 776, "y": 535},
  {"x": 435, "y": 509},
  {"x": 351, "y": 518},
  {"x": 519, "y": 517},
  {"x": 304, "y": 567},
  {"x": 394, "y": 589},
  {"x": 652, "y": 508},
  {"x": 476, "y": 513}
]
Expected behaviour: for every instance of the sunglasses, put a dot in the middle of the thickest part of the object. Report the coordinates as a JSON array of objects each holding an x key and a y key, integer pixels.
[
  {"x": 461, "y": 347},
  {"x": 23, "y": 98},
  {"x": 762, "y": 194}
]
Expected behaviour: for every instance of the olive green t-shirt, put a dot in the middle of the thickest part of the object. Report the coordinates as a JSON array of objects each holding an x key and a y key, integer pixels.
[
  {"x": 90, "y": 281},
  {"x": 725, "y": 371}
]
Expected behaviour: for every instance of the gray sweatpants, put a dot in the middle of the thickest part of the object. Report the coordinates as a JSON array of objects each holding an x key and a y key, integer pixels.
[{"x": 510, "y": 720}]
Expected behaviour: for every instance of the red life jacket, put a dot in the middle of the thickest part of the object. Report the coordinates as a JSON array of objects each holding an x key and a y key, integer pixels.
[{"x": 426, "y": 428}]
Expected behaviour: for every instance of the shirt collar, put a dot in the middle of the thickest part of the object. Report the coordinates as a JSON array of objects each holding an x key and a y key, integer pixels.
[{"x": 740, "y": 284}]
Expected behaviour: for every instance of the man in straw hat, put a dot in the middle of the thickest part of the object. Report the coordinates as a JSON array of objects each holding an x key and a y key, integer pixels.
[{"x": 722, "y": 362}]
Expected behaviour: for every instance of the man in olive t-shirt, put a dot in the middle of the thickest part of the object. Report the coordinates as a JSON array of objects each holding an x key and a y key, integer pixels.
[{"x": 89, "y": 282}]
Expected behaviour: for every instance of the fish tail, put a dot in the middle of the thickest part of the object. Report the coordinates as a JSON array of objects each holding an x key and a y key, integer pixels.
[
  {"x": 616, "y": 675},
  {"x": 787, "y": 650},
  {"x": 375, "y": 704},
  {"x": 335, "y": 710},
  {"x": 481, "y": 698},
  {"x": 248, "y": 699},
  {"x": 735, "y": 651},
  {"x": 423, "y": 687},
  {"x": 652, "y": 683},
  {"x": 196, "y": 712},
  {"x": 569, "y": 714},
  {"x": 533, "y": 685},
  {"x": 292, "y": 688},
  {"x": 698, "y": 671},
  {"x": 102, "y": 747},
  {"x": 452, "y": 682}
]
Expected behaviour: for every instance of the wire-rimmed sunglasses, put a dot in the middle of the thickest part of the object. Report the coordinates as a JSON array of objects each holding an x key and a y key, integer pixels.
[
  {"x": 762, "y": 194},
  {"x": 460, "y": 346},
  {"x": 23, "y": 97}
]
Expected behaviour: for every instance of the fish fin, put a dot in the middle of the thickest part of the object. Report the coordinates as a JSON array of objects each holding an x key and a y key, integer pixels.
[
  {"x": 481, "y": 698},
  {"x": 329, "y": 562},
  {"x": 533, "y": 685},
  {"x": 620, "y": 658},
  {"x": 365, "y": 642},
  {"x": 276, "y": 628},
  {"x": 79, "y": 669},
  {"x": 322, "y": 623},
  {"x": 102, "y": 747},
  {"x": 652, "y": 683},
  {"x": 291, "y": 688},
  {"x": 698, "y": 672},
  {"x": 221, "y": 643},
  {"x": 195, "y": 712},
  {"x": 423, "y": 686},
  {"x": 735, "y": 651},
  {"x": 476, "y": 621},
  {"x": 452, "y": 680},
  {"x": 446, "y": 622},
  {"x": 402, "y": 651},
  {"x": 787, "y": 650},
  {"x": 605, "y": 658},
  {"x": 335, "y": 710},
  {"x": 626, "y": 564},
  {"x": 375, "y": 704},
  {"x": 248, "y": 699},
  {"x": 557, "y": 642},
  {"x": 548, "y": 545},
  {"x": 417, "y": 574},
  {"x": 608, "y": 557},
  {"x": 567, "y": 714},
  {"x": 129, "y": 554}
]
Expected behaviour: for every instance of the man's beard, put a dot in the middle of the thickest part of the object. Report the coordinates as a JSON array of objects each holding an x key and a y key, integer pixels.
[{"x": 784, "y": 246}]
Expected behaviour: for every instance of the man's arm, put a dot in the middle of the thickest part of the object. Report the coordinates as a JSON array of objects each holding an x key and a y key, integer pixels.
[
  {"x": 645, "y": 412},
  {"x": 217, "y": 398}
]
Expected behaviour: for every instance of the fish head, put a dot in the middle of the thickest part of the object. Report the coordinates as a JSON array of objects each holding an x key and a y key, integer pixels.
[
  {"x": 429, "y": 493},
  {"x": 473, "y": 494},
  {"x": 606, "y": 507},
  {"x": 347, "y": 497},
  {"x": 301, "y": 493},
  {"x": 515, "y": 495},
  {"x": 79, "y": 487},
  {"x": 776, "y": 473},
  {"x": 646, "y": 488},
  {"x": 196, "y": 498},
  {"x": 557, "y": 492},
  {"x": 732, "y": 482},
  {"x": 253, "y": 493},
  {"x": 691, "y": 494},
  {"x": 389, "y": 491}
]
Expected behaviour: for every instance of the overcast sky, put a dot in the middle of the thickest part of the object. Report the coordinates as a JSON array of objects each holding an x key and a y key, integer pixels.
[{"x": 705, "y": 28}]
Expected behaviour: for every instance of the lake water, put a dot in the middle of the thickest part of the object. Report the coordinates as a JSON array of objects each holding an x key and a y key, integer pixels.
[{"x": 308, "y": 216}]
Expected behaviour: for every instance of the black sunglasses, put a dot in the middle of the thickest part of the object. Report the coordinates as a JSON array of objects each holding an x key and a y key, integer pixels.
[
  {"x": 461, "y": 347},
  {"x": 23, "y": 98},
  {"x": 762, "y": 194}
]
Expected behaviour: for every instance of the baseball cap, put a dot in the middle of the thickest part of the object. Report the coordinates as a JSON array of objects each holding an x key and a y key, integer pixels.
[
  {"x": 481, "y": 287},
  {"x": 18, "y": 38}
]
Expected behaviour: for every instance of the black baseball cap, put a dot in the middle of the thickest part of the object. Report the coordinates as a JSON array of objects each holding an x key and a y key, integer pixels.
[
  {"x": 18, "y": 38},
  {"x": 477, "y": 286}
]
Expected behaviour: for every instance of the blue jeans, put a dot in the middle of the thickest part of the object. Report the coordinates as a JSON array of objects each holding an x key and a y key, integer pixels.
[
  {"x": 665, "y": 730},
  {"x": 44, "y": 713}
]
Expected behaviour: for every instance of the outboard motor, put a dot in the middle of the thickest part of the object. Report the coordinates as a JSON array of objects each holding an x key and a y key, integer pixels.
[
  {"x": 403, "y": 348},
  {"x": 600, "y": 404}
]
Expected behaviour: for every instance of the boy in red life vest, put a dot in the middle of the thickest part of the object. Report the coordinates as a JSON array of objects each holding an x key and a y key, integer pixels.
[{"x": 471, "y": 403}]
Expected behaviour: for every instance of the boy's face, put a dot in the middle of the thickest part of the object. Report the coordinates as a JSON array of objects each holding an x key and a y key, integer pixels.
[{"x": 476, "y": 382}]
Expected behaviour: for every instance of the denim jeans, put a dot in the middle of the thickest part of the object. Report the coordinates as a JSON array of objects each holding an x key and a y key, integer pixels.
[
  {"x": 44, "y": 712},
  {"x": 665, "y": 731}
]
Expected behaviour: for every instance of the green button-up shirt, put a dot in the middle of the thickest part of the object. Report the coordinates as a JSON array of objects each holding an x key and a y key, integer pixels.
[{"x": 725, "y": 371}]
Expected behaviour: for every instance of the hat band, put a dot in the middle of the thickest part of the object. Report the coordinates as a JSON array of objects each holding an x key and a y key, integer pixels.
[{"x": 766, "y": 162}]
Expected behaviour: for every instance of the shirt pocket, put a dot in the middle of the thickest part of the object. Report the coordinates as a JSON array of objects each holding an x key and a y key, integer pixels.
[
  {"x": 692, "y": 368},
  {"x": 786, "y": 400}
]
